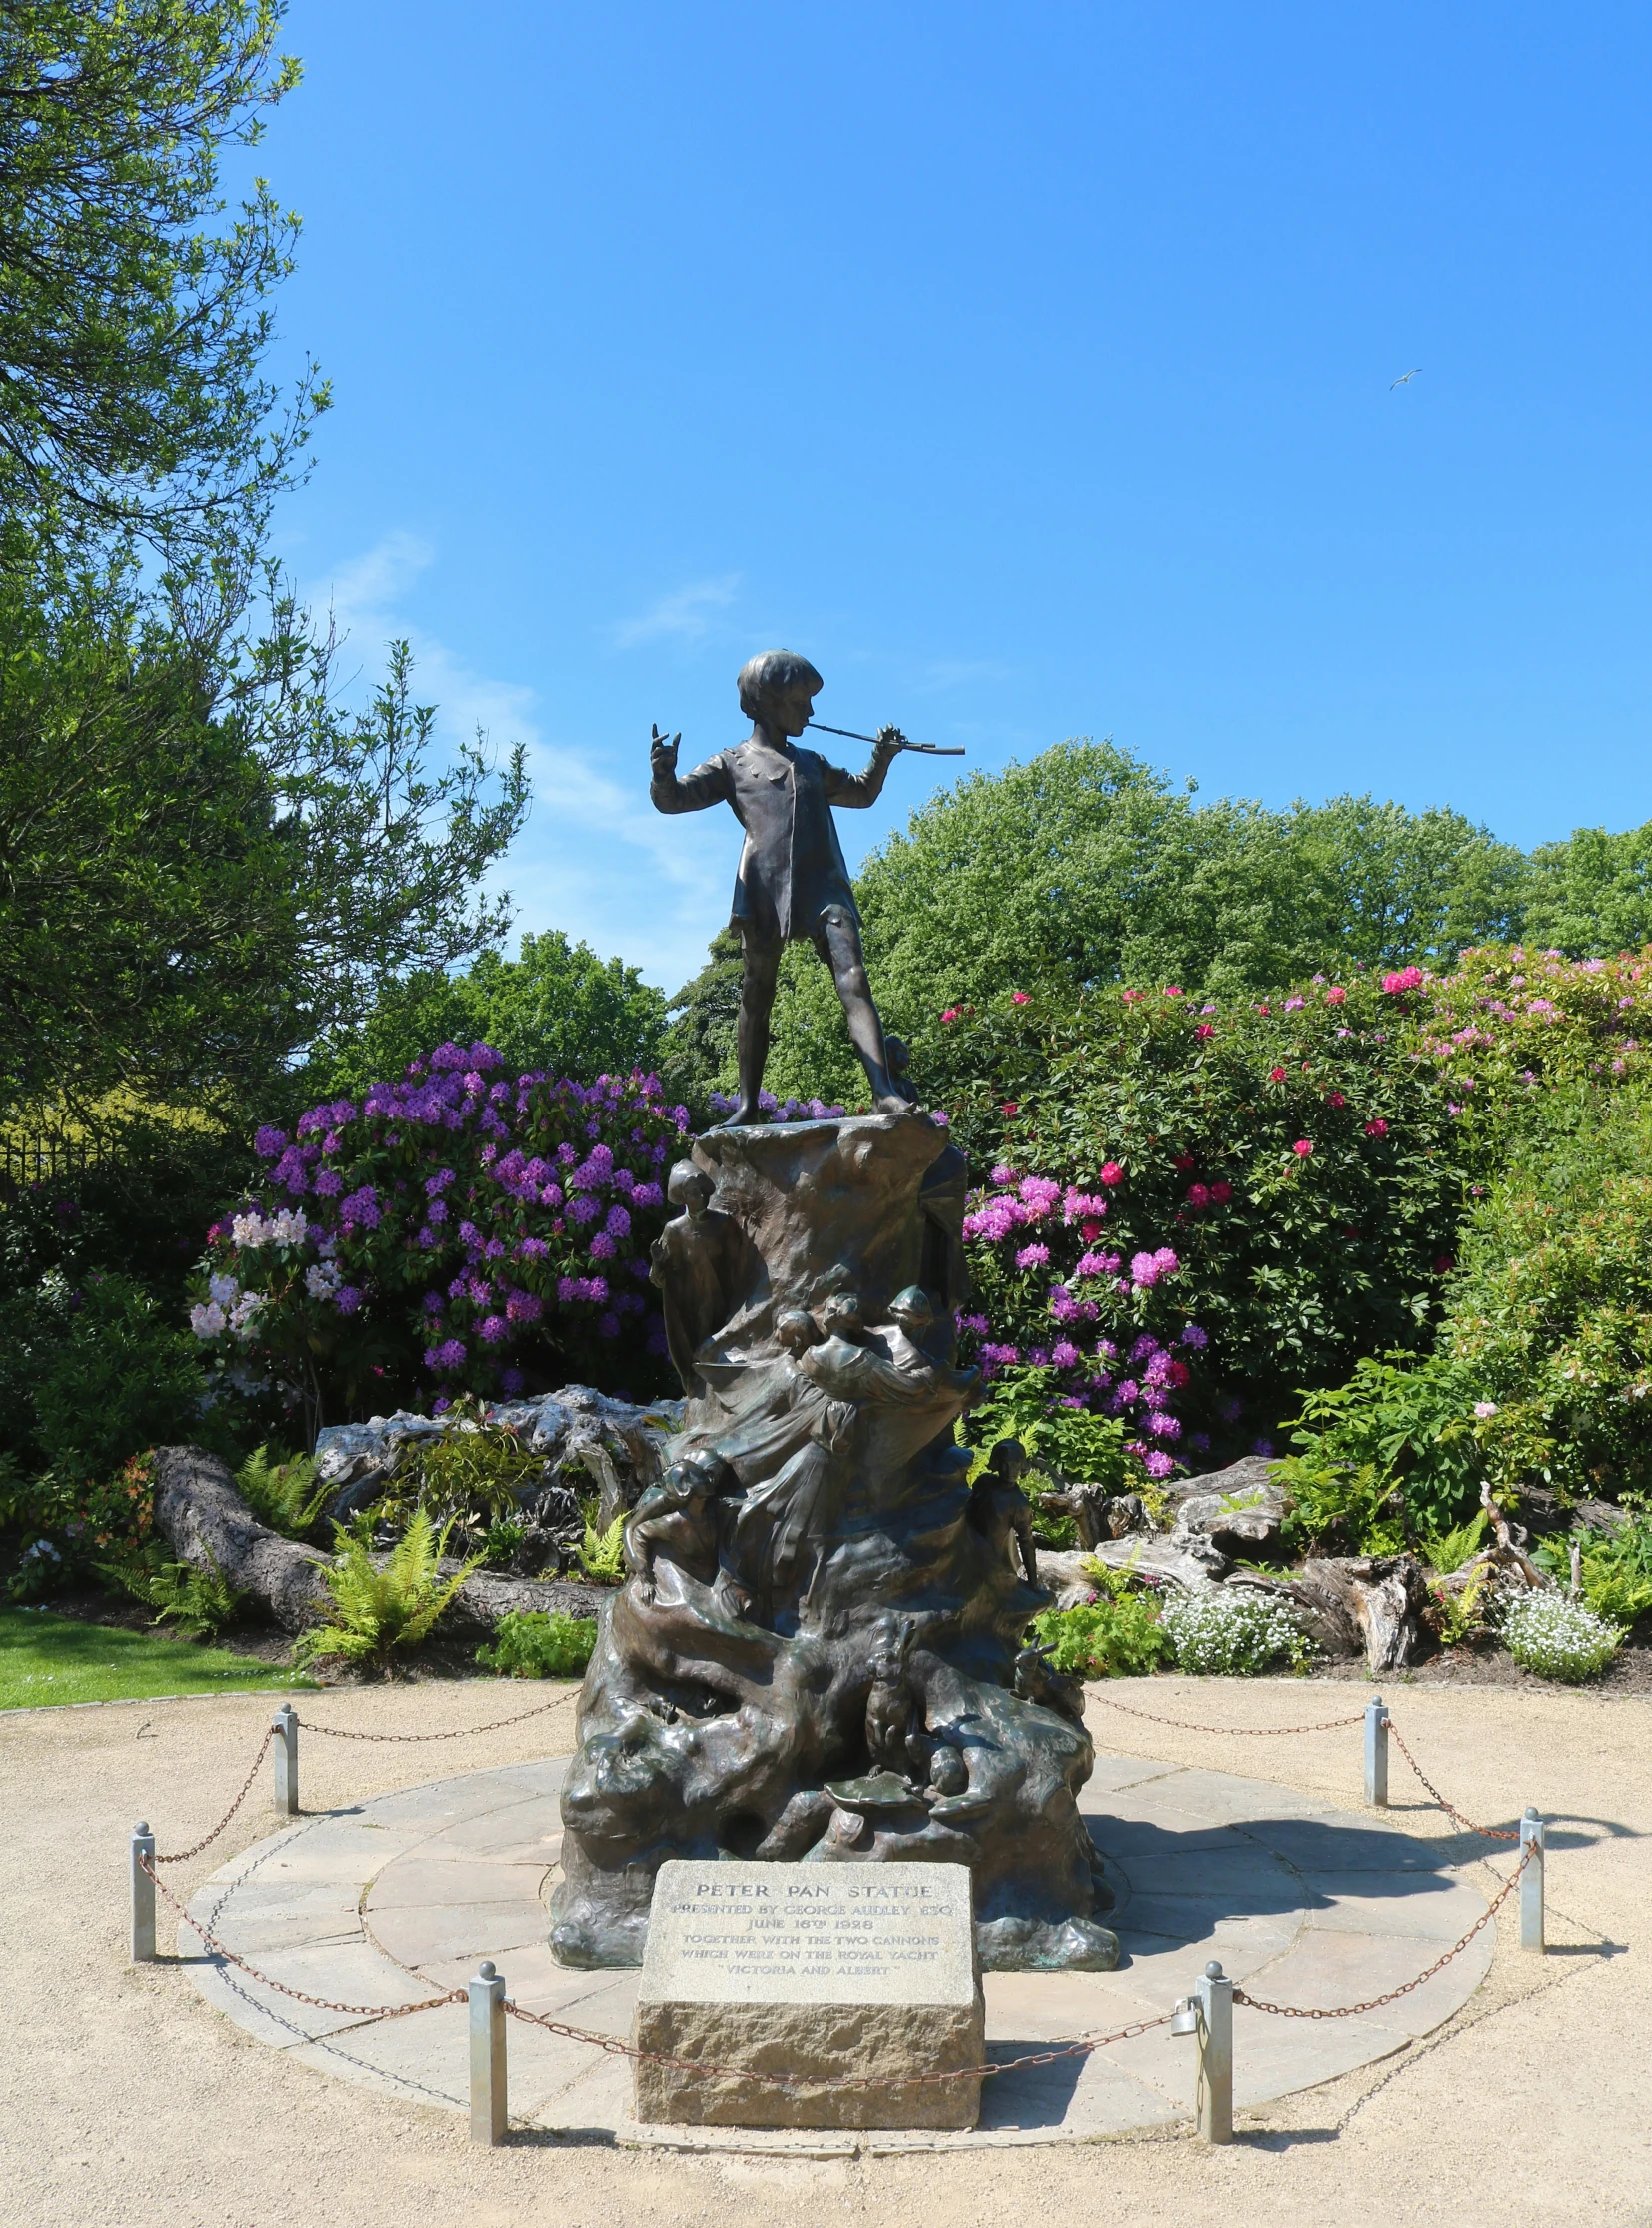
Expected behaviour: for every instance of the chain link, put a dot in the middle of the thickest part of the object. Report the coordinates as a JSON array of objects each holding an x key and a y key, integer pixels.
[
  {"x": 458, "y": 1732},
  {"x": 184, "y": 1856},
  {"x": 1187, "y": 1725},
  {"x": 1393, "y": 1995},
  {"x": 1488, "y": 1833}
]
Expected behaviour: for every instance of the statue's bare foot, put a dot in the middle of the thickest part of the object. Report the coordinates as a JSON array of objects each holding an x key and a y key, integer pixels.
[
  {"x": 891, "y": 1101},
  {"x": 744, "y": 1116}
]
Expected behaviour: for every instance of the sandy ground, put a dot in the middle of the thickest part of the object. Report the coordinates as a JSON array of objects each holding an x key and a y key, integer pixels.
[{"x": 126, "y": 2100}]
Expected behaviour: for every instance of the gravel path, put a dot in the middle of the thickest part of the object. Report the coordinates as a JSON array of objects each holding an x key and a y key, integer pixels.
[{"x": 125, "y": 2100}]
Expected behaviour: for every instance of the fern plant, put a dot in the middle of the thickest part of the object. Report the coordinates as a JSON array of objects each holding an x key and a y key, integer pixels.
[
  {"x": 1446, "y": 1552},
  {"x": 602, "y": 1553},
  {"x": 201, "y": 1603},
  {"x": 1456, "y": 1617},
  {"x": 282, "y": 1492},
  {"x": 379, "y": 1609}
]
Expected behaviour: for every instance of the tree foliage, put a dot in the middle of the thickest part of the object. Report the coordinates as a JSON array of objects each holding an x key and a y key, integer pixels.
[
  {"x": 557, "y": 1007},
  {"x": 133, "y": 321},
  {"x": 204, "y": 863},
  {"x": 1086, "y": 867}
]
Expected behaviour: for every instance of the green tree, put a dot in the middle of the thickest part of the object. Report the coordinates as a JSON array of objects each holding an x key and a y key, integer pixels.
[
  {"x": 133, "y": 323},
  {"x": 1591, "y": 896},
  {"x": 203, "y": 868},
  {"x": 1084, "y": 867},
  {"x": 556, "y": 1006}
]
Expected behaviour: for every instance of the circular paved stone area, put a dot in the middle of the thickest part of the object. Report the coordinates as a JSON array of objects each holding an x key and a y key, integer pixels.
[{"x": 388, "y": 1901}]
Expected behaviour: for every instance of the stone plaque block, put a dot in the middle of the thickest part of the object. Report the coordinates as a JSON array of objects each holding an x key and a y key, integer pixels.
[{"x": 811, "y": 1970}]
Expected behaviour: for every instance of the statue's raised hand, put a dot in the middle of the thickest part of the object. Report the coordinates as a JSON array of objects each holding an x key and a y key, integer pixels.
[{"x": 662, "y": 754}]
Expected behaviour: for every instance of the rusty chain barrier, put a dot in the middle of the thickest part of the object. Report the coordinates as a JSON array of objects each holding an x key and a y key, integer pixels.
[
  {"x": 1187, "y": 1724},
  {"x": 146, "y": 1861},
  {"x": 1393, "y": 1995},
  {"x": 416, "y": 1740},
  {"x": 183, "y": 1855},
  {"x": 1488, "y": 1833},
  {"x": 615, "y": 2046}
]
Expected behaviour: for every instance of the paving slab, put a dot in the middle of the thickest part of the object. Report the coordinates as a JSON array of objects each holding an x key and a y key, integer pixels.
[{"x": 389, "y": 1900}]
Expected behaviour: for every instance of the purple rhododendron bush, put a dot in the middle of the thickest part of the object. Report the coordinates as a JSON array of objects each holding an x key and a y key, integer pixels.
[{"x": 455, "y": 1231}]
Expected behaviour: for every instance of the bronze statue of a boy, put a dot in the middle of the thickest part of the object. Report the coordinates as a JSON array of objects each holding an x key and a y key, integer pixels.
[{"x": 791, "y": 886}]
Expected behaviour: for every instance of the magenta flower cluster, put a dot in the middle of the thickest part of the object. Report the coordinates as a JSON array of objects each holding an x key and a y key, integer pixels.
[{"x": 1119, "y": 1348}]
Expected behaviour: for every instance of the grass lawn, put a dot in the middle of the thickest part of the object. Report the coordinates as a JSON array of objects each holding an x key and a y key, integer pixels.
[{"x": 50, "y": 1660}]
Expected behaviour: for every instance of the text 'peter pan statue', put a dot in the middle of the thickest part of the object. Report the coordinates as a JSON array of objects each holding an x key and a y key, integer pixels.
[{"x": 791, "y": 886}]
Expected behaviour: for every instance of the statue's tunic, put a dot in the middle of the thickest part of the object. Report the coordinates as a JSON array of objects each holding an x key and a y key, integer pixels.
[{"x": 791, "y": 864}]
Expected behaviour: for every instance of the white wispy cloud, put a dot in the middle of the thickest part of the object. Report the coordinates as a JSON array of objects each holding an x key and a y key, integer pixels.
[
  {"x": 688, "y": 614},
  {"x": 594, "y": 859}
]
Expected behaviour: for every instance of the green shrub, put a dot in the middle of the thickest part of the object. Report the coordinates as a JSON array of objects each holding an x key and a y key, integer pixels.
[
  {"x": 529, "y": 1643},
  {"x": 1615, "y": 1566},
  {"x": 1410, "y": 1435},
  {"x": 1117, "y": 1637},
  {"x": 1332, "y": 1511},
  {"x": 112, "y": 1373},
  {"x": 1559, "y": 1639},
  {"x": 470, "y": 1479},
  {"x": 1222, "y": 1633},
  {"x": 379, "y": 1609},
  {"x": 1551, "y": 1315}
]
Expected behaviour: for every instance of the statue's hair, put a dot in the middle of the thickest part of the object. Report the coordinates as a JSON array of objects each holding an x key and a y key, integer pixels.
[
  {"x": 769, "y": 673},
  {"x": 685, "y": 1173},
  {"x": 915, "y": 1301}
]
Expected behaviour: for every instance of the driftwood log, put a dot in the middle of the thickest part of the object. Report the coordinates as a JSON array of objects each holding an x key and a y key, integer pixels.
[
  {"x": 206, "y": 1523},
  {"x": 1357, "y": 1604}
]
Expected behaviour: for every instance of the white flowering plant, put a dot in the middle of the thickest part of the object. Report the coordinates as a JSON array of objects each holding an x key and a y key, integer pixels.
[
  {"x": 1558, "y": 1639},
  {"x": 1217, "y": 1633}
]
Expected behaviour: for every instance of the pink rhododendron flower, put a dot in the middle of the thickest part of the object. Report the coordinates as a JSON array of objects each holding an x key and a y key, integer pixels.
[
  {"x": 1485, "y": 1409},
  {"x": 1032, "y": 1257},
  {"x": 1377, "y": 1128},
  {"x": 1302, "y": 1147},
  {"x": 1221, "y": 1192},
  {"x": 1277, "y": 1075},
  {"x": 1022, "y": 998},
  {"x": 1335, "y": 1098},
  {"x": 1404, "y": 979},
  {"x": 1336, "y": 994},
  {"x": 1112, "y": 1175},
  {"x": 1198, "y": 1196},
  {"x": 1039, "y": 1194},
  {"x": 1172, "y": 990},
  {"x": 1205, "y": 1028}
]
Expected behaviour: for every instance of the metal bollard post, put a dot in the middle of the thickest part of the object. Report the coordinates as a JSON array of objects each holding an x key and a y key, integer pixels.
[
  {"x": 143, "y": 1896},
  {"x": 1215, "y": 2090},
  {"x": 487, "y": 1995},
  {"x": 1376, "y": 1754},
  {"x": 285, "y": 1750},
  {"x": 1531, "y": 1884}
]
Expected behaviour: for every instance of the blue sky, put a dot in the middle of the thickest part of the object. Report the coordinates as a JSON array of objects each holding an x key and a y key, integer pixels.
[{"x": 1028, "y": 368}]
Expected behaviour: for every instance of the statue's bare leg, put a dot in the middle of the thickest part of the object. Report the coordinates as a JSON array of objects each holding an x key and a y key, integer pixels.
[
  {"x": 841, "y": 939},
  {"x": 756, "y": 1003}
]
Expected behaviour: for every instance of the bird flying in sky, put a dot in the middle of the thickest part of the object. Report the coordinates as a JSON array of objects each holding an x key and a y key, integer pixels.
[{"x": 1403, "y": 380}]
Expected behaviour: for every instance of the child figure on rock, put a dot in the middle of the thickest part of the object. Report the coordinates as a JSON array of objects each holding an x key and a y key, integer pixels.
[{"x": 791, "y": 886}]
